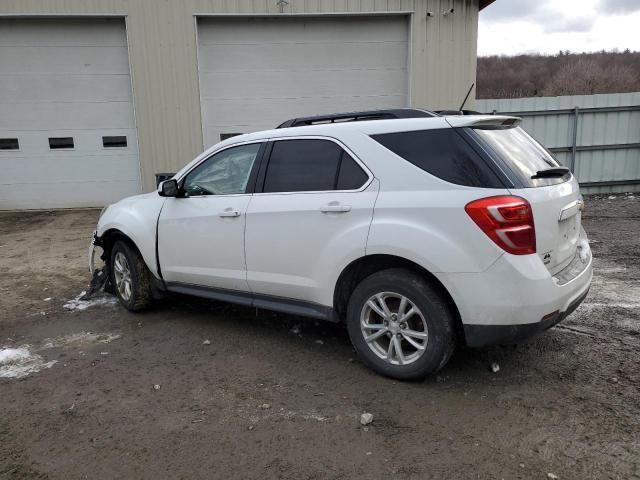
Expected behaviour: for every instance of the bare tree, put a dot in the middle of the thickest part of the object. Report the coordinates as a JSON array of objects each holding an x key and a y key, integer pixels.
[{"x": 562, "y": 74}]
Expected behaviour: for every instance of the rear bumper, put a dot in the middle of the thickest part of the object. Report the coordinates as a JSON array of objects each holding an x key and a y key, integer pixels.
[
  {"x": 484, "y": 335},
  {"x": 517, "y": 297}
]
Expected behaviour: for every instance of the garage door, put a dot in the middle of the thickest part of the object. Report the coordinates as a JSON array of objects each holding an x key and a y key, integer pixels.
[
  {"x": 67, "y": 132},
  {"x": 256, "y": 73}
]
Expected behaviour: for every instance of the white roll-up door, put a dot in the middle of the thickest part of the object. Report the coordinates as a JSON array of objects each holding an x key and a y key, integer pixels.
[
  {"x": 67, "y": 129},
  {"x": 256, "y": 73}
]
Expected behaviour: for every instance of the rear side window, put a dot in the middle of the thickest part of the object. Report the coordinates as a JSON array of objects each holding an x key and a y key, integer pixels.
[
  {"x": 310, "y": 166},
  {"x": 442, "y": 153}
]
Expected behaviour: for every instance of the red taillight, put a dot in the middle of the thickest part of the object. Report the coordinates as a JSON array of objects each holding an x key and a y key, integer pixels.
[{"x": 506, "y": 220}]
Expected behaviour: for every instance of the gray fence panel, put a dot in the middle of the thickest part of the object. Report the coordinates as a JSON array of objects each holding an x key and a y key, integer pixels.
[{"x": 597, "y": 135}]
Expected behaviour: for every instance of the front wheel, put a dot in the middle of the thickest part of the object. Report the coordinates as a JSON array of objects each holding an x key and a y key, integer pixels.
[
  {"x": 130, "y": 277},
  {"x": 400, "y": 325}
]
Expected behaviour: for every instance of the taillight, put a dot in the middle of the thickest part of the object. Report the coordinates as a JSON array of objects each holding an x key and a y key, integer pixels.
[{"x": 507, "y": 220}]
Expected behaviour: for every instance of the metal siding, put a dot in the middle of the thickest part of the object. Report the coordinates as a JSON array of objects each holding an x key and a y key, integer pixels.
[
  {"x": 162, "y": 53},
  {"x": 594, "y": 128}
]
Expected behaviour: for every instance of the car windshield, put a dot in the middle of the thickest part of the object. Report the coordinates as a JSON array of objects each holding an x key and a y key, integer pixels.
[{"x": 521, "y": 153}]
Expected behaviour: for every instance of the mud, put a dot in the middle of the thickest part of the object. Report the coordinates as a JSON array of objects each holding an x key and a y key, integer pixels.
[{"x": 145, "y": 396}]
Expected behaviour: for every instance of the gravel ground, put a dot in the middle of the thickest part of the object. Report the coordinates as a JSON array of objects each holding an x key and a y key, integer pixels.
[{"x": 110, "y": 394}]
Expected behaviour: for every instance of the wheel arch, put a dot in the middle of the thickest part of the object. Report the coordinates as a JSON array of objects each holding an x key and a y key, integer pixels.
[
  {"x": 109, "y": 238},
  {"x": 362, "y": 267}
]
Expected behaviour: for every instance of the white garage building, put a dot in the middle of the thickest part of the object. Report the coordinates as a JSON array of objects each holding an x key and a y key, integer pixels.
[{"x": 97, "y": 96}]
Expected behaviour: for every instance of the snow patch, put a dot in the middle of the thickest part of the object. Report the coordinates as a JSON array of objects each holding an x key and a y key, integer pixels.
[
  {"x": 584, "y": 250},
  {"x": 608, "y": 270},
  {"x": 11, "y": 355},
  {"x": 627, "y": 305},
  {"x": 79, "y": 339},
  {"x": 20, "y": 362},
  {"x": 77, "y": 304}
]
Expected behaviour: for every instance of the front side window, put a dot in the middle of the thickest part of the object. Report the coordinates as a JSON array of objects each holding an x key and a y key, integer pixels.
[
  {"x": 311, "y": 165},
  {"x": 224, "y": 173}
]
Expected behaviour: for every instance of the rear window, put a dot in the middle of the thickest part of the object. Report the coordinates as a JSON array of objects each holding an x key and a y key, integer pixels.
[
  {"x": 311, "y": 165},
  {"x": 442, "y": 153},
  {"x": 521, "y": 154}
]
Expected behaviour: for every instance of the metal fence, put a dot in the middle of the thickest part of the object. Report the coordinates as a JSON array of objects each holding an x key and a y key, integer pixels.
[{"x": 596, "y": 136}]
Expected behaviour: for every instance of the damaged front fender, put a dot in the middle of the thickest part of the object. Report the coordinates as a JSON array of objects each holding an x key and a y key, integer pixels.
[{"x": 99, "y": 275}]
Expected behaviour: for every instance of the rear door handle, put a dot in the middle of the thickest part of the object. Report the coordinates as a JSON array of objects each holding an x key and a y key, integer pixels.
[
  {"x": 335, "y": 208},
  {"x": 229, "y": 212}
]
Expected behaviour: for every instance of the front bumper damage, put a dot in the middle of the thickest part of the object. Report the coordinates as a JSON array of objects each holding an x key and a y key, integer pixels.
[
  {"x": 99, "y": 274},
  {"x": 95, "y": 242}
]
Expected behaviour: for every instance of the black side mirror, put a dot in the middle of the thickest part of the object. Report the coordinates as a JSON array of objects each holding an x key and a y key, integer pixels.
[{"x": 169, "y": 188}]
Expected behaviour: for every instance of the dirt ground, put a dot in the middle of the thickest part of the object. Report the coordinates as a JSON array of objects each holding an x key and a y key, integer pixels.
[{"x": 121, "y": 395}]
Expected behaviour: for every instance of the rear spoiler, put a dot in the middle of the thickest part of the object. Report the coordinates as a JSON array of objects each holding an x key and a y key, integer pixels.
[{"x": 484, "y": 122}]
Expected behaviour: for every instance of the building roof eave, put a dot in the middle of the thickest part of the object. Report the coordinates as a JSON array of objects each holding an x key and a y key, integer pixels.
[{"x": 485, "y": 3}]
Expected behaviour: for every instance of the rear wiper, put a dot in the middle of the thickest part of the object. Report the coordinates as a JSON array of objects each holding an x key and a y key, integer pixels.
[{"x": 551, "y": 172}]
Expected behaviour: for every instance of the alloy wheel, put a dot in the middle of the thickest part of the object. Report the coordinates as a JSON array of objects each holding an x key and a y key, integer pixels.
[
  {"x": 122, "y": 274},
  {"x": 394, "y": 328}
]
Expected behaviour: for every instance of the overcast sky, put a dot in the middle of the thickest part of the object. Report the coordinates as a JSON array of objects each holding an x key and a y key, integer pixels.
[{"x": 545, "y": 26}]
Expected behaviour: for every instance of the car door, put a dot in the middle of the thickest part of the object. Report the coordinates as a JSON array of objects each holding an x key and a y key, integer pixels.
[
  {"x": 201, "y": 232},
  {"x": 308, "y": 218}
]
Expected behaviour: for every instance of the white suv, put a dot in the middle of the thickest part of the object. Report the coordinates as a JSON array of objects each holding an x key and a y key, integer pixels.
[{"x": 416, "y": 232}]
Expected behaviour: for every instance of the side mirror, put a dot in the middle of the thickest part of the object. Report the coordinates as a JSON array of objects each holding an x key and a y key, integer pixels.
[{"x": 169, "y": 188}]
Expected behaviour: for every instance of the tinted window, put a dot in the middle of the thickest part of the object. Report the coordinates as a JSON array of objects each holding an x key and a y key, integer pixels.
[
  {"x": 351, "y": 176},
  {"x": 442, "y": 153},
  {"x": 224, "y": 173},
  {"x": 119, "y": 141},
  {"x": 302, "y": 166},
  {"x": 522, "y": 154},
  {"x": 60, "y": 142},
  {"x": 9, "y": 144}
]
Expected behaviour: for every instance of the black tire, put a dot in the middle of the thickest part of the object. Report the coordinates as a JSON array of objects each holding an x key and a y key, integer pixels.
[
  {"x": 437, "y": 314},
  {"x": 141, "y": 295}
]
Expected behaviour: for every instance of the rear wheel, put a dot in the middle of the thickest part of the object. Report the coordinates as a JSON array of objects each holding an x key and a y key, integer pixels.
[
  {"x": 130, "y": 277},
  {"x": 400, "y": 325}
]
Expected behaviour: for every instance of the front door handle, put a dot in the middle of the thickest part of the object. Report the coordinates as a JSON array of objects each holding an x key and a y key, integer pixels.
[
  {"x": 335, "y": 208},
  {"x": 229, "y": 212}
]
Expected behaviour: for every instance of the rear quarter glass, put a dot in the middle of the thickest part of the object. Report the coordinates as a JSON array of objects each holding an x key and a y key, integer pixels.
[
  {"x": 515, "y": 150},
  {"x": 444, "y": 153}
]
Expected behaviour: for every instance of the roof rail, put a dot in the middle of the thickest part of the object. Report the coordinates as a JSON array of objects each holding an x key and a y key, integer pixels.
[
  {"x": 442, "y": 113},
  {"x": 358, "y": 117}
]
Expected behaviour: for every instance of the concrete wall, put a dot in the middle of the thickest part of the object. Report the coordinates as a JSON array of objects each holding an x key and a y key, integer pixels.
[{"x": 162, "y": 52}]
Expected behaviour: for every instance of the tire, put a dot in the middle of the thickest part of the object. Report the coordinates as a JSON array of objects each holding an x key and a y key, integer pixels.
[
  {"x": 431, "y": 325},
  {"x": 138, "y": 296}
]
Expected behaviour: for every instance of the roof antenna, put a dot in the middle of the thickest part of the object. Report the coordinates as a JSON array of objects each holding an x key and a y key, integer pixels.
[{"x": 465, "y": 98}]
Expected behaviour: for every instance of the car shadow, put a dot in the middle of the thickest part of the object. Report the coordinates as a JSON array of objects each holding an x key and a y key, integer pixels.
[{"x": 284, "y": 328}]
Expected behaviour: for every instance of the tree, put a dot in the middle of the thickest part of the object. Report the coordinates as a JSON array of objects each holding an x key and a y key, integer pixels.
[{"x": 562, "y": 74}]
